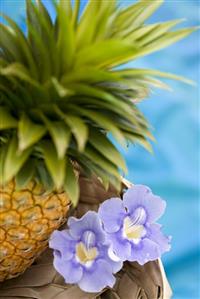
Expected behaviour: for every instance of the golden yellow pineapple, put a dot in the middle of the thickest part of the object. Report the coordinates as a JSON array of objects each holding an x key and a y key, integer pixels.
[
  {"x": 61, "y": 93},
  {"x": 27, "y": 218}
]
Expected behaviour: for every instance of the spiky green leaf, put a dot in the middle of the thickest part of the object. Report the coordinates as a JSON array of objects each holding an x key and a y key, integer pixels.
[
  {"x": 66, "y": 37},
  {"x": 25, "y": 175},
  {"x": 29, "y": 133},
  {"x": 7, "y": 121},
  {"x": 55, "y": 165},
  {"x": 14, "y": 159},
  {"x": 71, "y": 185},
  {"x": 105, "y": 123},
  {"x": 79, "y": 129},
  {"x": 102, "y": 144},
  {"x": 60, "y": 133}
]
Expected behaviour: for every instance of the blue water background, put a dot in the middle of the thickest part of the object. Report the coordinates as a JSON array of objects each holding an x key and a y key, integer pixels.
[{"x": 173, "y": 170}]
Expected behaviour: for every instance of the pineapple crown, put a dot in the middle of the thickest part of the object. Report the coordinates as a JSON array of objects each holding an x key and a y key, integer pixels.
[{"x": 62, "y": 90}]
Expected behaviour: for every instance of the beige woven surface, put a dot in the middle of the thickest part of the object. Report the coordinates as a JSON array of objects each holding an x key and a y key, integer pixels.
[{"x": 41, "y": 281}]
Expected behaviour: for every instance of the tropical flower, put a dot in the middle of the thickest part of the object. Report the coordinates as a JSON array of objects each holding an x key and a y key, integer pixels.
[
  {"x": 81, "y": 254},
  {"x": 130, "y": 225}
]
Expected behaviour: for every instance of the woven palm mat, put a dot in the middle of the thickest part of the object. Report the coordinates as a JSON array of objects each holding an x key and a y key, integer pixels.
[{"x": 41, "y": 281}]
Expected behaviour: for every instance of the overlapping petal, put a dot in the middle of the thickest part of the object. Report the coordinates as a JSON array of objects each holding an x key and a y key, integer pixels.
[
  {"x": 97, "y": 278},
  {"x": 142, "y": 196},
  {"x": 115, "y": 263},
  {"x": 62, "y": 242},
  {"x": 134, "y": 197},
  {"x": 70, "y": 270},
  {"x": 144, "y": 252},
  {"x": 120, "y": 246},
  {"x": 112, "y": 213},
  {"x": 155, "y": 234},
  {"x": 90, "y": 222}
]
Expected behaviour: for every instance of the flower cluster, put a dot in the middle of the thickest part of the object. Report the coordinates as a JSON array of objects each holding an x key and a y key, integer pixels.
[{"x": 94, "y": 247}]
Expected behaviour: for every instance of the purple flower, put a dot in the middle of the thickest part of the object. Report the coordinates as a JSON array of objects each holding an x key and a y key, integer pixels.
[
  {"x": 130, "y": 226},
  {"x": 81, "y": 254}
]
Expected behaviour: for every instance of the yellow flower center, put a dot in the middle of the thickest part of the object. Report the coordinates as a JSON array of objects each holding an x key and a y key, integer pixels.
[
  {"x": 84, "y": 254},
  {"x": 132, "y": 231}
]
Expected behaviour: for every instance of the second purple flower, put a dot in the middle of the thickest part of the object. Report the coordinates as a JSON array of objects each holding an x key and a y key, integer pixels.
[{"x": 130, "y": 225}]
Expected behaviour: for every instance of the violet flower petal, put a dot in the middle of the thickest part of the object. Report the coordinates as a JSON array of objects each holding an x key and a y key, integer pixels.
[
  {"x": 155, "y": 234},
  {"x": 142, "y": 196},
  {"x": 155, "y": 207},
  {"x": 145, "y": 251},
  {"x": 120, "y": 246},
  {"x": 62, "y": 242},
  {"x": 97, "y": 278},
  {"x": 115, "y": 263},
  {"x": 112, "y": 213},
  {"x": 89, "y": 222},
  {"x": 134, "y": 196},
  {"x": 72, "y": 272}
]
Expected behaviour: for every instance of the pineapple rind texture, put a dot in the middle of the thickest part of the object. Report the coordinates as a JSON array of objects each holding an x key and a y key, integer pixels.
[{"x": 27, "y": 218}]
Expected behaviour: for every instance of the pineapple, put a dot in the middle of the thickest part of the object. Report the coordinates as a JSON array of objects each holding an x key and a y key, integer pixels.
[
  {"x": 27, "y": 218},
  {"x": 62, "y": 92}
]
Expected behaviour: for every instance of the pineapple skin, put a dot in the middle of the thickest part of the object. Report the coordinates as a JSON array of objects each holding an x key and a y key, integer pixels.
[{"x": 27, "y": 218}]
